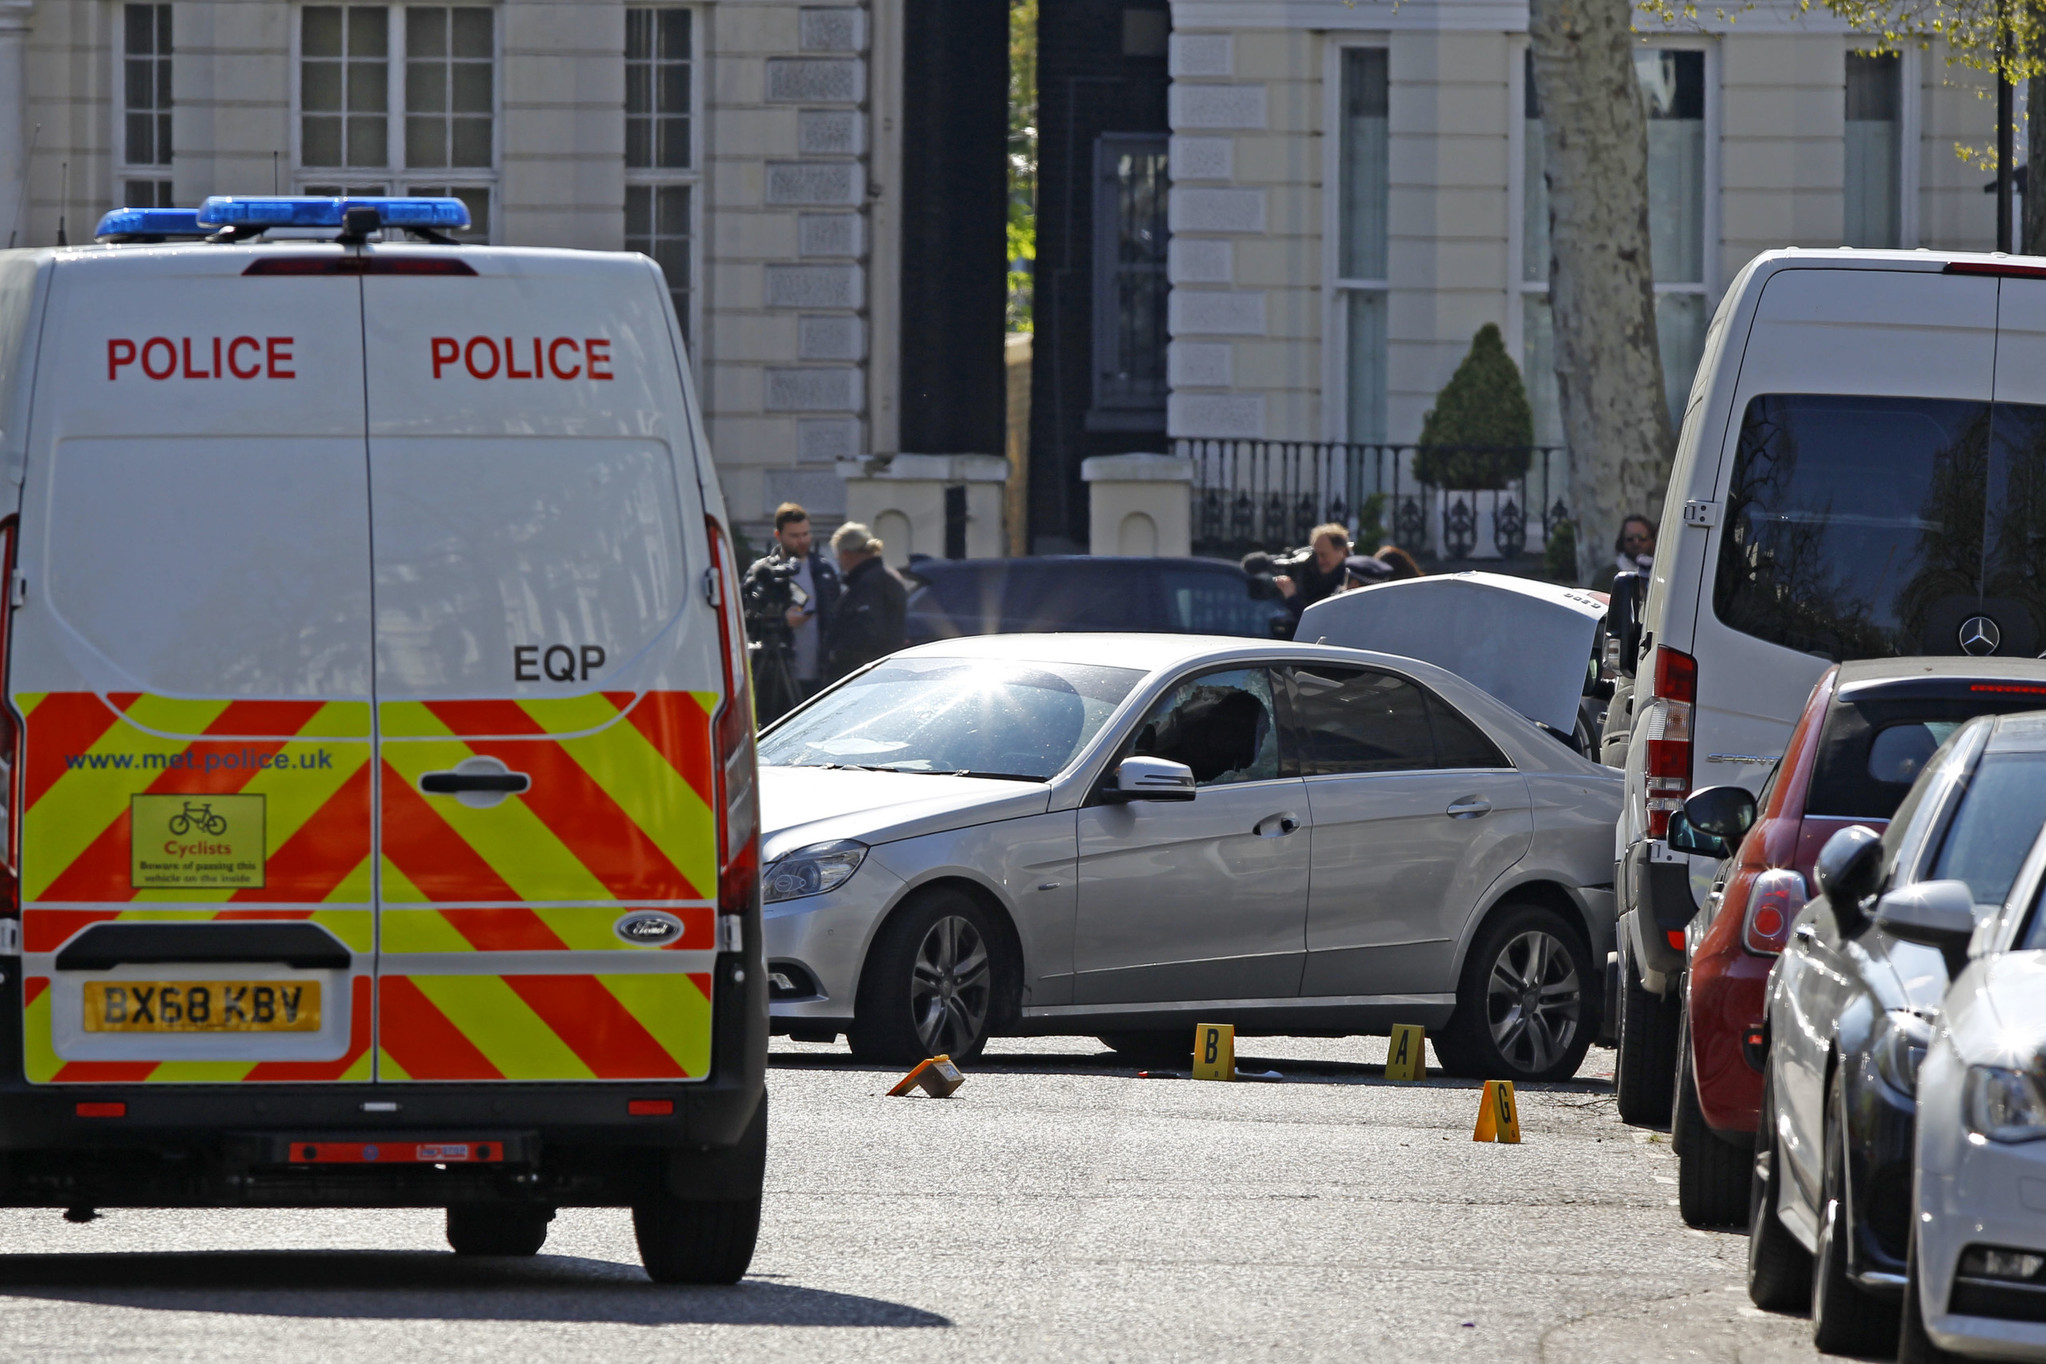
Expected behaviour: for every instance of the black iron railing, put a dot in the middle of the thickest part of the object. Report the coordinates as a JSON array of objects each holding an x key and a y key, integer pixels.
[{"x": 1270, "y": 494}]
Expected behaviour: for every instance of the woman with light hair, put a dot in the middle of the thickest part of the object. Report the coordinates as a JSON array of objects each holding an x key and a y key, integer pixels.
[{"x": 872, "y": 616}]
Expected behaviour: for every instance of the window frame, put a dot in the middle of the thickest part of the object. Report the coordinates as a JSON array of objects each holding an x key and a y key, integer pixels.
[
  {"x": 655, "y": 177},
  {"x": 1108, "y": 411},
  {"x": 124, "y": 170},
  {"x": 1280, "y": 675},
  {"x": 398, "y": 177},
  {"x": 1910, "y": 128},
  {"x": 1338, "y": 289},
  {"x": 1293, "y": 744}
]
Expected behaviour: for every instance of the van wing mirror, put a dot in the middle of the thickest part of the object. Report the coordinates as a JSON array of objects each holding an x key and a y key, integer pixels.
[
  {"x": 1686, "y": 837},
  {"x": 1847, "y": 871},
  {"x": 1937, "y": 914},
  {"x": 1726, "y": 812},
  {"x": 1149, "y": 779}
]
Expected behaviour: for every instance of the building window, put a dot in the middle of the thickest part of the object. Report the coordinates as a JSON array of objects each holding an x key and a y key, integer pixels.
[
  {"x": 1362, "y": 181},
  {"x": 1873, "y": 207},
  {"x": 146, "y": 194},
  {"x": 1129, "y": 273},
  {"x": 1672, "y": 85},
  {"x": 660, "y": 148},
  {"x": 146, "y": 85},
  {"x": 443, "y": 95}
]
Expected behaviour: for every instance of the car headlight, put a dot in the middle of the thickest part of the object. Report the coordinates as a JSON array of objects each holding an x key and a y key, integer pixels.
[
  {"x": 1899, "y": 1047},
  {"x": 2004, "y": 1105},
  {"x": 812, "y": 870}
]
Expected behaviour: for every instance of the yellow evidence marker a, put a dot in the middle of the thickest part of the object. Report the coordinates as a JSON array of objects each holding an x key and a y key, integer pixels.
[
  {"x": 1214, "y": 1051},
  {"x": 1406, "y": 1058},
  {"x": 937, "y": 1077},
  {"x": 1498, "y": 1119}
]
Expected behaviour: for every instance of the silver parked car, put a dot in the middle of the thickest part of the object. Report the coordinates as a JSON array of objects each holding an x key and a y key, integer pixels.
[{"x": 1126, "y": 834}]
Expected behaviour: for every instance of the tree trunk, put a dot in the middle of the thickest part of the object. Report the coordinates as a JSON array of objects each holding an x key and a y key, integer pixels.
[{"x": 1601, "y": 286}]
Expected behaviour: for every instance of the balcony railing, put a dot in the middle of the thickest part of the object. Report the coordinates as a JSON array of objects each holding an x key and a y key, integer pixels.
[{"x": 1268, "y": 494}]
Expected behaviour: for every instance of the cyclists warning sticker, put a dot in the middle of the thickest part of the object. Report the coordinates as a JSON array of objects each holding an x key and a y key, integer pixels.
[{"x": 196, "y": 841}]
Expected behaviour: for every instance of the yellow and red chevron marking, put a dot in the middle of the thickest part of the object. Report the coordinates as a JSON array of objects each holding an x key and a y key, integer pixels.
[
  {"x": 637, "y": 1026},
  {"x": 75, "y": 834},
  {"x": 43, "y": 1066},
  {"x": 45, "y": 930},
  {"x": 538, "y": 928},
  {"x": 620, "y": 806}
]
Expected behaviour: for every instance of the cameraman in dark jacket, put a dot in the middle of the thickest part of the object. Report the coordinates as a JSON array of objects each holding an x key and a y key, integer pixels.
[
  {"x": 809, "y": 625},
  {"x": 872, "y": 615}
]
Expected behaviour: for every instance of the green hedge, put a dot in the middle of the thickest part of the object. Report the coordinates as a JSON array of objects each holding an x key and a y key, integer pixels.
[{"x": 1484, "y": 405}]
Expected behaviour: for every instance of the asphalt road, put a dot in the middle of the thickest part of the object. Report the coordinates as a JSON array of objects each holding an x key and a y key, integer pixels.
[{"x": 1057, "y": 1208}]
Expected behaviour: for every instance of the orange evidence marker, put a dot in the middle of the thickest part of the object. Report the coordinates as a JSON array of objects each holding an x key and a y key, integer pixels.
[
  {"x": 937, "y": 1077},
  {"x": 1498, "y": 1119}
]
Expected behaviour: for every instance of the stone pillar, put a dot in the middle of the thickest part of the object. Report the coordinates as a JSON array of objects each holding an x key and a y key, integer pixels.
[
  {"x": 904, "y": 502},
  {"x": 14, "y": 133},
  {"x": 1139, "y": 504}
]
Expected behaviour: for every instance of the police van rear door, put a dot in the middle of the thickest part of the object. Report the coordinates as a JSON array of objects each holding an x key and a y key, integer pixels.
[
  {"x": 547, "y": 878},
  {"x": 190, "y": 660}
]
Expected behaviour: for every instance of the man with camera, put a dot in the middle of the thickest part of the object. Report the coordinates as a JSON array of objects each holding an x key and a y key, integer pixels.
[{"x": 791, "y": 597}]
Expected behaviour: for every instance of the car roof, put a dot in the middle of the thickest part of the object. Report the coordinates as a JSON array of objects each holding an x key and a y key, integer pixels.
[
  {"x": 1881, "y": 678},
  {"x": 1151, "y": 652},
  {"x": 1042, "y": 562}
]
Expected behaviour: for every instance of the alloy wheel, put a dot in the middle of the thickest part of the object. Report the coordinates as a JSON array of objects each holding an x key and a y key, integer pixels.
[
  {"x": 951, "y": 986},
  {"x": 1534, "y": 1000}
]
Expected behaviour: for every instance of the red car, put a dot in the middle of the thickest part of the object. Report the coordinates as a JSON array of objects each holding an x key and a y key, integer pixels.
[{"x": 1865, "y": 732}]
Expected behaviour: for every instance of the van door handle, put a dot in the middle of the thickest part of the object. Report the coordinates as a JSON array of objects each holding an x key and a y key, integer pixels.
[
  {"x": 454, "y": 783},
  {"x": 1276, "y": 826},
  {"x": 1470, "y": 807}
]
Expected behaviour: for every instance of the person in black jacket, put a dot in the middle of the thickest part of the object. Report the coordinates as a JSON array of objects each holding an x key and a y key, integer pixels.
[
  {"x": 871, "y": 618},
  {"x": 807, "y": 627}
]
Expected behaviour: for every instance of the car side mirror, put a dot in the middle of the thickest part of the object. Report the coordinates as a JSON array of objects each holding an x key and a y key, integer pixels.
[
  {"x": 1726, "y": 812},
  {"x": 1686, "y": 837},
  {"x": 1847, "y": 872},
  {"x": 1937, "y": 914},
  {"x": 1149, "y": 779}
]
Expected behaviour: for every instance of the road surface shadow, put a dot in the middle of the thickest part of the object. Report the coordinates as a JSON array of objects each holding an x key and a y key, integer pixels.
[
  {"x": 1291, "y": 1071},
  {"x": 429, "y": 1286}
]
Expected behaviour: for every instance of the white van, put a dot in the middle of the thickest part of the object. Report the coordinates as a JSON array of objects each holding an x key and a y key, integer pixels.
[
  {"x": 378, "y": 762},
  {"x": 1861, "y": 473}
]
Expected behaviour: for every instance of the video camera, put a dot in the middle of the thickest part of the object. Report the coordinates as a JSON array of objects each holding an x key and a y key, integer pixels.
[
  {"x": 1261, "y": 568},
  {"x": 766, "y": 595}
]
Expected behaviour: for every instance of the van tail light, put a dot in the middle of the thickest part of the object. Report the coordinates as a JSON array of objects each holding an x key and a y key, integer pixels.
[
  {"x": 1773, "y": 901},
  {"x": 738, "y": 804},
  {"x": 1668, "y": 736}
]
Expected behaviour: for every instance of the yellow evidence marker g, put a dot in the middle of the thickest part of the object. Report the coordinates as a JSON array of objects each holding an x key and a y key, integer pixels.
[
  {"x": 1406, "y": 1058},
  {"x": 1214, "y": 1051},
  {"x": 1498, "y": 1119},
  {"x": 937, "y": 1077}
]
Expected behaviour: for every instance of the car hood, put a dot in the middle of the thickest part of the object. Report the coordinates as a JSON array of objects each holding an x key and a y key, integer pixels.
[
  {"x": 1997, "y": 1011},
  {"x": 804, "y": 805}
]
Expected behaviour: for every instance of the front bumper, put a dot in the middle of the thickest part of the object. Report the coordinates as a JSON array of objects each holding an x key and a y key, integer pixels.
[
  {"x": 1992, "y": 1195},
  {"x": 1882, "y": 1127},
  {"x": 825, "y": 938}
]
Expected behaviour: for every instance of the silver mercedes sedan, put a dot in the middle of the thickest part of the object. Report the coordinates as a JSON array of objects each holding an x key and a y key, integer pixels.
[{"x": 1124, "y": 835}]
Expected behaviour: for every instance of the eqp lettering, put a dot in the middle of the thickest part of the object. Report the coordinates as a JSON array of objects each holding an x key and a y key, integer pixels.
[{"x": 201, "y": 357}]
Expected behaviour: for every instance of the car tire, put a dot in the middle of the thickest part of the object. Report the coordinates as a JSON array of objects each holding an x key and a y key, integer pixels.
[
  {"x": 1150, "y": 1048},
  {"x": 1914, "y": 1344},
  {"x": 1712, "y": 1173},
  {"x": 1779, "y": 1268},
  {"x": 497, "y": 1228},
  {"x": 695, "y": 1241},
  {"x": 935, "y": 982},
  {"x": 1647, "y": 1055},
  {"x": 1845, "y": 1320},
  {"x": 1525, "y": 953}
]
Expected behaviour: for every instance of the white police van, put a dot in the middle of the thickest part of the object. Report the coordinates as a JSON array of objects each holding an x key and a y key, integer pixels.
[{"x": 378, "y": 764}]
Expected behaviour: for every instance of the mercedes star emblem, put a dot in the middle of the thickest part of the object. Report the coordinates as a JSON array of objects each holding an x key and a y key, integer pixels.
[{"x": 1980, "y": 636}]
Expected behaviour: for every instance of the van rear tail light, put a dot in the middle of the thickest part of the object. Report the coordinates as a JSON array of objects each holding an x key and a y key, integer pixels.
[
  {"x": 1773, "y": 901},
  {"x": 732, "y": 732},
  {"x": 1668, "y": 736}
]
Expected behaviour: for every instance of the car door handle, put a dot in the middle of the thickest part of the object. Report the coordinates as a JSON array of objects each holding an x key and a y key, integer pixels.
[
  {"x": 454, "y": 783},
  {"x": 1470, "y": 807},
  {"x": 1276, "y": 826}
]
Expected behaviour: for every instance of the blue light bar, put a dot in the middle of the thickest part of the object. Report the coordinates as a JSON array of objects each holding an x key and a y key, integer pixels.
[
  {"x": 225, "y": 210},
  {"x": 126, "y": 224}
]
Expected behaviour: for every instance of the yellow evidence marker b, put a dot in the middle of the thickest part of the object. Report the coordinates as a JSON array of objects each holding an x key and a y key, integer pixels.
[
  {"x": 937, "y": 1077},
  {"x": 1214, "y": 1051},
  {"x": 1498, "y": 1119},
  {"x": 1406, "y": 1058}
]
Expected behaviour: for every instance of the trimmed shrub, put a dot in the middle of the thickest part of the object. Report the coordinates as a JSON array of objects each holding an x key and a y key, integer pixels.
[
  {"x": 1559, "y": 556},
  {"x": 1479, "y": 430}
]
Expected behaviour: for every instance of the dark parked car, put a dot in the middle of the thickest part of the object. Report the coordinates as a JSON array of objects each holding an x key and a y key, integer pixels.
[
  {"x": 1086, "y": 593},
  {"x": 1849, "y": 1011}
]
